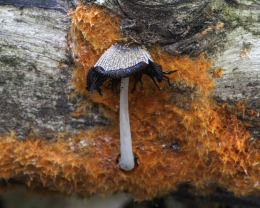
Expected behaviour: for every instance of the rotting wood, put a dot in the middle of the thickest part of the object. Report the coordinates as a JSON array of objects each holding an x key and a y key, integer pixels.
[
  {"x": 35, "y": 71},
  {"x": 36, "y": 68}
]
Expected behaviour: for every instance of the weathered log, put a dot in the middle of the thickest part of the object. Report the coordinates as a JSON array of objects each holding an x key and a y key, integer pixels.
[
  {"x": 39, "y": 102},
  {"x": 193, "y": 27},
  {"x": 36, "y": 72}
]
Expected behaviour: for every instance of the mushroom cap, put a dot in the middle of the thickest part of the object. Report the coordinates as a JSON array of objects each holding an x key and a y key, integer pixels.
[
  {"x": 120, "y": 56},
  {"x": 121, "y": 61}
]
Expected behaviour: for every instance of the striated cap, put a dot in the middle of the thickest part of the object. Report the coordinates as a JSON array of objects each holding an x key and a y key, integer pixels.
[
  {"x": 120, "y": 56},
  {"x": 121, "y": 61}
]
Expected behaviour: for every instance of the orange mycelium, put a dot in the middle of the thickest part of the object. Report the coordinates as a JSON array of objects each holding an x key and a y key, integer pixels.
[
  {"x": 213, "y": 147},
  {"x": 217, "y": 73}
]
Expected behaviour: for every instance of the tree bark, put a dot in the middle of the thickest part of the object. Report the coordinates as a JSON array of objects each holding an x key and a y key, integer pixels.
[
  {"x": 36, "y": 70},
  {"x": 227, "y": 30},
  {"x": 36, "y": 66}
]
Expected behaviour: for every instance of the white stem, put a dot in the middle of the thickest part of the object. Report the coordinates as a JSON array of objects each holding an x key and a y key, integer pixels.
[{"x": 126, "y": 160}]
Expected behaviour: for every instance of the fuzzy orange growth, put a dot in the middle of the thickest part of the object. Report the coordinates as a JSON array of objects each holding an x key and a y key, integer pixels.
[
  {"x": 76, "y": 114},
  {"x": 242, "y": 107},
  {"x": 215, "y": 140},
  {"x": 251, "y": 112},
  {"x": 214, "y": 146},
  {"x": 92, "y": 31},
  {"x": 211, "y": 10},
  {"x": 217, "y": 73},
  {"x": 219, "y": 25},
  {"x": 60, "y": 65},
  {"x": 244, "y": 53},
  {"x": 97, "y": 26}
]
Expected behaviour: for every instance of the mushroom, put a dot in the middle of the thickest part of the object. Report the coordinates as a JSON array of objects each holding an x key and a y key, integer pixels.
[{"x": 118, "y": 63}]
